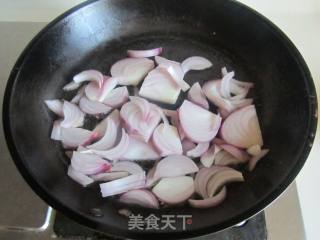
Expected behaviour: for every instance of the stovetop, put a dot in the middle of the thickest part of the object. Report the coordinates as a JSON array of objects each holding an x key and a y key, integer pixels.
[{"x": 23, "y": 215}]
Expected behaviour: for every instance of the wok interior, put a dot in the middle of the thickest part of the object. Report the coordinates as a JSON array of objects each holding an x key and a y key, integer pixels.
[{"x": 99, "y": 34}]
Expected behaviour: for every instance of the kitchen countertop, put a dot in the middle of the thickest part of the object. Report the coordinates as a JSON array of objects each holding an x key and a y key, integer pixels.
[{"x": 284, "y": 220}]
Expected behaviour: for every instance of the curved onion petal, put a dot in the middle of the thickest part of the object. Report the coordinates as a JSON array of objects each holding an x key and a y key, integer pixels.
[
  {"x": 187, "y": 145},
  {"x": 202, "y": 178},
  {"x": 226, "y": 84},
  {"x": 89, "y": 163},
  {"x": 109, "y": 176},
  {"x": 79, "y": 95},
  {"x": 73, "y": 116},
  {"x": 109, "y": 83},
  {"x": 151, "y": 180},
  {"x": 74, "y": 137},
  {"x": 242, "y": 129},
  {"x": 127, "y": 166},
  {"x": 224, "y": 158},
  {"x": 140, "y": 197},
  {"x": 237, "y": 153},
  {"x": 212, "y": 92},
  {"x": 55, "y": 106},
  {"x": 209, "y": 202},
  {"x": 218, "y": 141},
  {"x": 56, "y": 130},
  {"x": 109, "y": 139},
  {"x": 158, "y": 86},
  {"x": 174, "y": 166},
  {"x": 174, "y": 116},
  {"x": 255, "y": 159},
  {"x": 203, "y": 126},
  {"x": 93, "y": 107},
  {"x": 174, "y": 190},
  {"x": 139, "y": 150},
  {"x": 144, "y": 53},
  {"x": 141, "y": 118},
  {"x": 117, "y": 97},
  {"x": 101, "y": 127},
  {"x": 200, "y": 149},
  {"x": 116, "y": 152},
  {"x": 123, "y": 185},
  {"x": 166, "y": 139},
  {"x": 89, "y": 75},
  {"x": 221, "y": 178},
  {"x": 197, "y": 96},
  {"x": 207, "y": 159},
  {"x": 130, "y": 71},
  {"x": 195, "y": 63},
  {"x": 79, "y": 177},
  {"x": 176, "y": 75},
  {"x": 71, "y": 86},
  {"x": 254, "y": 150}
]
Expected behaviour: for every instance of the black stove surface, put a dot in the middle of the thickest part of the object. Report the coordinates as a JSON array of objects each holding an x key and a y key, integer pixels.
[{"x": 253, "y": 229}]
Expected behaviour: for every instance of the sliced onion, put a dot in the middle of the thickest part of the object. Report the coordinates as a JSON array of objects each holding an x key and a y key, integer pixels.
[
  {"x": 117, "y": 97},
  {"x": 130, "y": 71},
  {"x": 195, "y": 63},
  {"x": 116, "y": 152},
  {"x": 139, "y": 150},
  {"x": 224, "y": 158},
  {"x": 74, "y": 137},
  {"x": 255, "y": 159},
  {"x": 218, "y": 141},
  {"x": 109, "y": 139},
  {"x": 174, "y": 190},
  {"x": 174, "y": 116},
  {"x": 200, "y": 149},
  {"x": 109, "y": 176},
  {"x": 176, "y": 75},
  {"x": 207, "y": 159},
  {"x": 73, "y": 116},
  {"x": 140, "y": 197},
  {"x": 80, "y": 178},
  {"x": 158, "y": 86},
  {"x": 174, "y": 166},
  {"x": 93, "y": 107},
  {"x": 225, "y": 85},
  {"x": 222, "y": 178},
  {"x": 127, "y": 166},
  {"x": 109, "y": 83},
  {"x": 101, "y": 127},
  {"x": 89, "y": 75},
  {"x": 71, "y": 86},
  {"x": 242, "y": 129},
  {"x": 187, "y": 145},
  {"x": 56, "y": 130},
  {"x": 254, "y": 150},
  {"x": 211, "y": 90},
  {"x": 56, "y": 106},
  {"x": 203, "y": 177},
  {"x": 79, "y": 95},
  {"x": 140, "y": 118},
  {"x": 144, "y": 53},
  {"x": 237, "y": 153},
  {"x": 166, "y": 139},
  {"x": 89, "y": 164},
  {"x": 123, "y": 185},
  {"x": 197, "y": 96},
  {"x": 151, "y": 180},
  {"x": 203, "y": 126},
  {"x": 209, "y": 202}
]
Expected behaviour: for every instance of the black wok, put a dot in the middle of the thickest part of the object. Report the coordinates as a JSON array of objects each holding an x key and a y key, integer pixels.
[{"x": 96, "y": 34}]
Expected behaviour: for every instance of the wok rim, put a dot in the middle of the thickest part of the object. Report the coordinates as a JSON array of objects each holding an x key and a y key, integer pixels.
[{"x": 82, "y": 219}]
